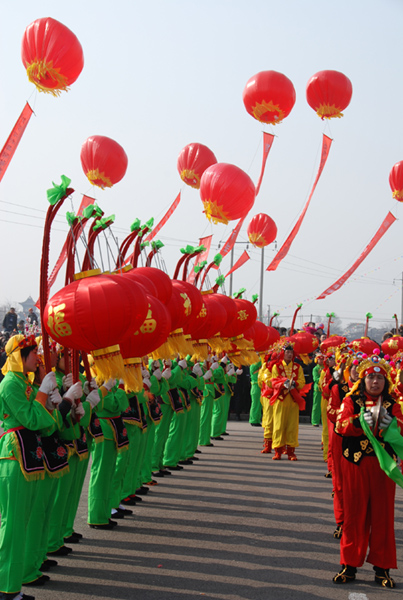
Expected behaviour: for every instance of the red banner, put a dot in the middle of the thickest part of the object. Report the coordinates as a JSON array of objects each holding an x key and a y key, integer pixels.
[
  {"x": 229, "y": 244},
  {"x": 86, "y": 201},
  {"x": 282, "y": 253},
  {"x": 388, "y": 221},
  {"x": 165, "y": 218},
  {"x": 205, "y": 241},
  {"x": 241, "y": 261},
  {"x": 14, "y": 138},
  {"x": 268, "y": 140}
]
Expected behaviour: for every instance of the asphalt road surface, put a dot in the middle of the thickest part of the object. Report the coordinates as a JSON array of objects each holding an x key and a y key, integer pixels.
[{"x": 235, "y": 525}]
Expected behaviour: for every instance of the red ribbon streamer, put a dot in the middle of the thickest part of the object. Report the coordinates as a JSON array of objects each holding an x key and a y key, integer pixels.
[
  {"x": 387, "y": 222},
  {"x": 241, "y": 261},
  {"x": 13, "y": 139},
  {"x": 282, "y": 253},
  {"x": 205, "y": 241},
  {"x": 165, "y": 218},
  {"x": 268, "y": 139}
]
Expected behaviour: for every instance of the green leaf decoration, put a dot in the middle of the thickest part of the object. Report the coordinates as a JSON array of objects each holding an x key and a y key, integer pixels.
[
  {"x": 299, "y": 305},
  {"x": 203, "y": 264},
  {"x": 104, "y": 222},
  {"x": 144, "y": 244},
  {"x": 200, "y": 249},
  {"x": 157, "y": 245},
  {"x": 239, "y": 293},
  {"x": 276, "y": 314},
  {"x": 58, "y": 191},
  {"x": 220, "y": 280},
  {"x": 330, "y": 315},
  {"x": 369, "y": 316},
  {"x": 217, "y": 259},
  {"x": 198, "y": 268},
  {"x": 150, "y": 223},
  {"x": 70, "y": 217},
  {"x": 255, "y": 298},
  {"x": 135, "y": 225}
]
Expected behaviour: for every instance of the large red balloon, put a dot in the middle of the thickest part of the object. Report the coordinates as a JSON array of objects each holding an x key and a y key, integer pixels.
[
  {"x": 269, "y": 97},
  {"x": 328, "y": 93},
  {"x": 52, "y": 55},
  {"x": 193, "y": 160},
  {"x": 103, "y": 161},
  {"x": 262, "y": 230},
  {"x": 396, "y": 181},
  {"x": 227, "y": 193}
]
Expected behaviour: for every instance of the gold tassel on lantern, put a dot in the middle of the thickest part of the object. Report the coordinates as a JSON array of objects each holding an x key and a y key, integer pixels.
[
  {"x": 200, "y": 351},
  {"x": 108, "y": 363},
  {"x": 132, "y": 376}
]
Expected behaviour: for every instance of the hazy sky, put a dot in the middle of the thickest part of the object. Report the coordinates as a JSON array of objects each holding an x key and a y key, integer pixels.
[{"x": 159, "y": 75}]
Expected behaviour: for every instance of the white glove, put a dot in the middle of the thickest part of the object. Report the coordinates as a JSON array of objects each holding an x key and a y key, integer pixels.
[
  {"x": 385, "y": 421},
  {"x": 239, "y": 371},
  {"x": 166, "y": 373},
  {"x": 156, "y": 364},
  {"x": 214, "y": 366},
  {"x": 336, "y": 375},
  {"x": 78, "y": 411},
  {"x": 67, "y": 381},
  {"x": 225, "y": 360},
  {"x": 157, "y": 373},
  {"x": 369, "y": 419},
  {"x": 287, "y": 384},
  {"x": 93, "y": 398},
  {"x": 144, "y": 372},
  {"x": 182, "y": 363},
  {"x": 110, "y": 384},
  {"x": 207, "y": 375},
  {"x": 197, "y": 370},
  {"x": 74, "y": 392},
  {"x": 53, "y": 399},
  {"x": 168, "y": 363},
  {"x": 146, "y": 383},
  {"x": 215, "y": 358},
  {"x": 89, "y": 386},
  {"x": 231, "y": 372},
  {"x": 48, "y": 383}
]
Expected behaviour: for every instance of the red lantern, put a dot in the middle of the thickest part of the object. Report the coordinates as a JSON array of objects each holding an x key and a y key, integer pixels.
[
  {"x": 151, "y": 334},
  {"x": 274, "y": 336},
  {"x": 392, "y": 345},
  {"x": 210, "y": 318},
  {"x": 103, "y": 161},
  {"x": 193, "y": 160},
  {"x": 160, "y": 280},
  {"x": 52, "y": 55},
  {"x": 305, "y": 343},
  {"x": 269, "y": 97},
  {"x": 262, "y": 230},
  {"x": 259, "y": 335},
  {"x": 245, "y": 317},
  {"x": 328, "y": 93},
  {"x": 396, "y": 181},
  {"x": 332, "y": 342},
  {"x": 365, "y": 345},
  {"x": 191, "y": 300},
  {"x": 227, "y": 193}
]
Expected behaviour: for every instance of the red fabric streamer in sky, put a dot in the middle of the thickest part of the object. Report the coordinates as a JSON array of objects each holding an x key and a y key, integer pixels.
[
  {"x": 268, "y": 140},
  {"x": 14, "y": 138},
  {"x": 206, "y": 242},
  {"x": 282, "y": 253},
  {"x": 241, "y": 261},
  {"x": 165, "y": 218},
  {"x": 388, "y": 221}
]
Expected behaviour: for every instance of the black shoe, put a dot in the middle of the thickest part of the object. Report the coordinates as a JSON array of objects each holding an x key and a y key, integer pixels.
[
  {"x": 72, "y": 539},
  {"x": 218, "y": 437},
  {"x": 79, "y": 536},
  {"x": 383, "y": 578},
  {"x": 188, "y": 461},
  {"x": 125, "y": 511},
  {"x": 255, "y": 424},
  {"x": 128, "y": 501},
  {"x": 195, "y": 458},
  {"x": 27, "y": 597},
  {"x": 346, "y": 575},
  {"x": 103, "y": 526},
  {"x": 210, "y": 444},
  {"x": 136, "y": 498},
  {"x": 197, "y": 451},
  {"x": 62, "y": 551},
  {"x": 175, "y": 468},
  {"x": 48, "y": 564},
  {"x": 165, "y": 472},
  {"x": 113, "y": 523},
  {"x": 119, "y": 514},
  {"x": 158, "y": 474},
  {"x": 225, "y": 433},
  {"x": 142, "y": 491},
  {"x": 40, "y": 581}
]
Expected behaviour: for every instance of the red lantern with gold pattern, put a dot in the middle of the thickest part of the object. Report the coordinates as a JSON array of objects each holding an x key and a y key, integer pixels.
[
  {"x": 227, "y": 193},
  {"x": 259, "y": 335},
  {"x": 392, "y": 345},
  {"x": 159, "y": 279},
  {"x": 210, "y": 319},
  {"x": 332, "y": 342},
  {"x": 103, "y": 160},
  {"x": 274, "y": 335},
  {"x": 328, "y": 93},
  {"x": 305, "y": 343},
  {"x": 365, "y": 345},
  {"x": 52, "y": 55},
  {"x": 245, "y": 317},
  {"x": 193, "y": 160},
  {"x": 396, "y": 181},
  {"x": 269, "y": 97},
  {"x": 151, "y": 334},
  {"x": 262, "y": 230}
]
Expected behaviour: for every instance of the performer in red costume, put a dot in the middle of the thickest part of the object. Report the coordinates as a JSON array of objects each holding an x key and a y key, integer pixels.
[{"x": 369, "y": 494}]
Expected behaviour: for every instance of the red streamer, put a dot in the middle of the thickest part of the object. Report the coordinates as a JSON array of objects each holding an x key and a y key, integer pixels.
[{"x": 13, "y": 139}]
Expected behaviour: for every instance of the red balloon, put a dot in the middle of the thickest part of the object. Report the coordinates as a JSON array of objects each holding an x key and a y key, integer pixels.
[
  {"x": 396, "y": 181},
  {"x": 193, "y": 160},
  {"x": 52, "y": 55},
  {"x": 95, "y": 312},
  {"x": 103, "y": 161},
  {"x": 262, "y": 230},
  {"x": 152, "y": 333},
  {"x": 269, "y": 97},
  {"x": 328, "y": 93},
  {"x": 227, "y": 193}
]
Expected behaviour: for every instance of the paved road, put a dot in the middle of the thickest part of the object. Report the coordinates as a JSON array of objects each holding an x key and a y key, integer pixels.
[{"x": 234, "y": 526}]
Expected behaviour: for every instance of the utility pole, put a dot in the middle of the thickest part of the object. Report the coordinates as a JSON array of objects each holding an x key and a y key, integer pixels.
[{"x": 261, "y": 287}]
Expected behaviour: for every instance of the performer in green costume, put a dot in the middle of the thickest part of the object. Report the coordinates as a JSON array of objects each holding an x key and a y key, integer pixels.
[{"x": 255, "y": 413}]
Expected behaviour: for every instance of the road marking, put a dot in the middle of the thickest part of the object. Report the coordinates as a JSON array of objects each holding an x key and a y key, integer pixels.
[{"x": 354, "y": 596}]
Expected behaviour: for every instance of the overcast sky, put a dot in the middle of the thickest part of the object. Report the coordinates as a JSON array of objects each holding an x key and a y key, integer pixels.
[{"x": 159, "y": 75}]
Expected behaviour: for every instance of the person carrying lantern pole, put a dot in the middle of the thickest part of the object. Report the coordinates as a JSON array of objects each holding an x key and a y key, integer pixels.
[
  {"x": 196, "y": 399},
  {"x": 326, "y": 377},
  {"x": 206, "y": 412},
  {"x": 317, "y": 393},
  {"x": 255, "y": 413},
  {"x": 225, "y": 376},
  {"x": 265, "y": 375},
  {"x": 287, "y": 382},
  {"x": 365, "y": 417}
]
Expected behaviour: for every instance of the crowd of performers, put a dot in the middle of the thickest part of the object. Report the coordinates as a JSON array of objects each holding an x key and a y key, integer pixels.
[
  {"x": 359, "y": 398},
  {"x": 53, "y": 426}
]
